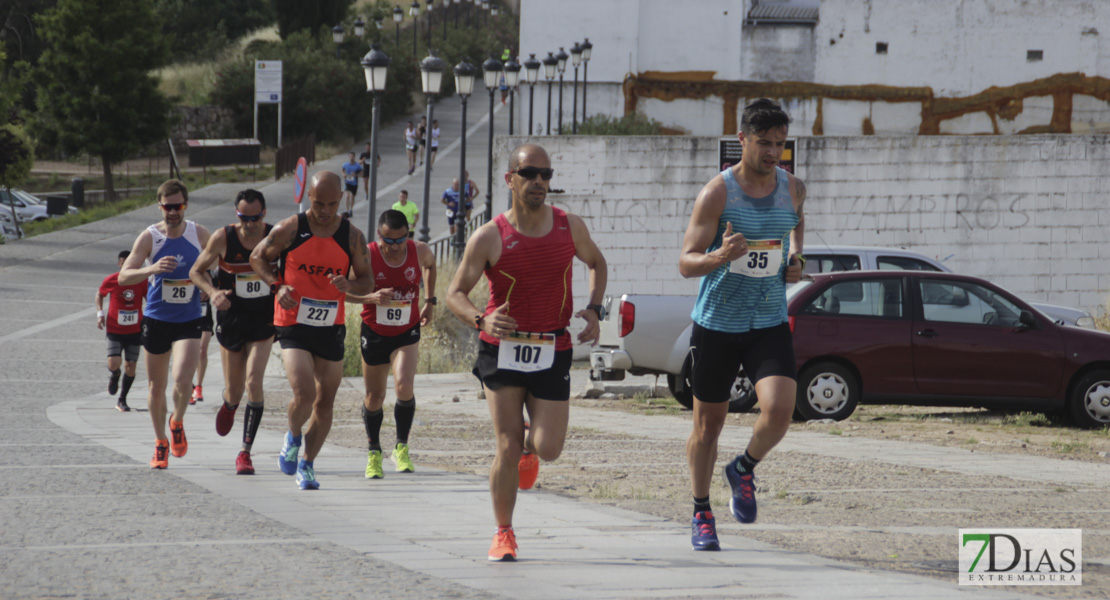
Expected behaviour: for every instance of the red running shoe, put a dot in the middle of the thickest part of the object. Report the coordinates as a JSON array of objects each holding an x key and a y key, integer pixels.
[
  {"x": 243, "y": 465},
  {"x": 529, "y": 469},
  {"x": 225, "y": 419}
]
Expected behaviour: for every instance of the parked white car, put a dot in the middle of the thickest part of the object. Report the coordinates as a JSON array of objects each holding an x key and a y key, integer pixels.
[{"x": 27, "y": 206}]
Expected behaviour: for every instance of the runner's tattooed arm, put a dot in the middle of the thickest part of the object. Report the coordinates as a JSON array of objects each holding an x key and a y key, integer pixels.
[
  {"x": 797, "y": 235},
  {"x": 268, "y": 251},
  {"x": 363, "y": 281}
]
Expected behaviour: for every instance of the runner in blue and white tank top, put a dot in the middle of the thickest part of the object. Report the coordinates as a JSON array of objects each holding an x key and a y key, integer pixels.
[
  {"x": 745, "y": 242},
  {"x": 172, "y": 323}
]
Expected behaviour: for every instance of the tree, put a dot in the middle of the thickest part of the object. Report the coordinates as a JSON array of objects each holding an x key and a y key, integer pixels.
[
  {"x": 95, "y": 88},
  {"x": 298, "y": 15},
  {"x": 201, "y": 29}
]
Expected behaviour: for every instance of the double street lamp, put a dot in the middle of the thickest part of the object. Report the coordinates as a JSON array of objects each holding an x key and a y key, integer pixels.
[
  {"x": 575, "y": 59},
  {"x": 491, "y": 73},
  {"x": 374, "y": 65},
  {"x": 398, "y": 16},
  {"x": 561, "y": 57},
  {"x": 549, "y": 65},
  {"x": 414, "y": 11},
  {"x": 512, "y": 78},
  {"x": 532, "y": 71},
  {"x": 464, "y": 85},
  {"x": 431, "y": 79}
]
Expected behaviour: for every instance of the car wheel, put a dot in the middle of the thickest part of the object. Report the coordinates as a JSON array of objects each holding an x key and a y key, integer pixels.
[
  {"x": 1090, "y": 400},
  {"x": 826, "y": 391},
  {"x": 741, "y": 395}
]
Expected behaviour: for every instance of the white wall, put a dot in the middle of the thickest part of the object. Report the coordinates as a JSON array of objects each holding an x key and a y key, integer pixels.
[{"x": 1029, "y": 213}]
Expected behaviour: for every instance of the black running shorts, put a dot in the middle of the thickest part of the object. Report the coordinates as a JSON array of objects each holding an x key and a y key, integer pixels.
[
  {"x": 158, "y": 336},
  {"x": 549, "y": 384},
  {"x": 717, "y": 357},
  {"x": 377, "y": 349},
  {"x": 323, "y": 342},
  {"x": 235, "y": 329},
  {"x": 206, "y": 317}
]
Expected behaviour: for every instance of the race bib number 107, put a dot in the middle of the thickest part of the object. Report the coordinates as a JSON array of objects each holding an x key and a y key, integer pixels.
[{"x": 526, "y": 352}]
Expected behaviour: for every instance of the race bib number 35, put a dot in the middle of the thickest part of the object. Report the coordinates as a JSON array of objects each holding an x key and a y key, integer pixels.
[
  {"x": 317, "y": 313},
  {"x": 394, "y": 312},
  {"x": 177, "y": 291},
  {"x": 764, "y": 258},
  {"x": 527, "y": 352},
  {"x": 250, "y": 285}
]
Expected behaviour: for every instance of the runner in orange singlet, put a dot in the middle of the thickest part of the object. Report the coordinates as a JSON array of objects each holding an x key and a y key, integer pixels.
[
  {"x": 525, "y": 351},
  {"x": 317, "y": 250}
]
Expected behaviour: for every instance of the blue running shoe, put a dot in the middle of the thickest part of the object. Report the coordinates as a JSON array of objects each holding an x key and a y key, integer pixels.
[
  {"x": 743, "y": 492},
  {"x": 306, "y": 477},
  {"x": 704, "y": 536},
  {"x": 287, "y": 460}
]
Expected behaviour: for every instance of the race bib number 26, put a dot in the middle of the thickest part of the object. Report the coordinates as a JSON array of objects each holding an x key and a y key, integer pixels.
[
  {"x": 177, "y": 291},
  {"x": 764, "y": 258}
]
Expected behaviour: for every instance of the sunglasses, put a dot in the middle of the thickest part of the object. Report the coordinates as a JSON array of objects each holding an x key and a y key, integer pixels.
[
  {"x": 168, "y": 207},
  {"x": 531, "y": 172},
  {"x": 392, "y": 241},
  {"x": 249, "y": 218}
]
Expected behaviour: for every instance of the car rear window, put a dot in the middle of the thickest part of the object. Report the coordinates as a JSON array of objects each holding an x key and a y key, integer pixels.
[
  {"x": 859, "y": 298},
  {"x": 829, "y": 263}
]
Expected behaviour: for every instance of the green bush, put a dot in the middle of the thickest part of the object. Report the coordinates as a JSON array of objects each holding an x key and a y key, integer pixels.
[{"x": 633, "y": 124}]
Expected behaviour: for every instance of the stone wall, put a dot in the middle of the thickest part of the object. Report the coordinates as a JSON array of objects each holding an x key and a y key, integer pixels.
[
  {"x": 1027, "y": 212},
  {"x": 201, "y": 122}
]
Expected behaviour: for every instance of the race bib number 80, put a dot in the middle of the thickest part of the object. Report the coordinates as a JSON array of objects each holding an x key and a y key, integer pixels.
[
  {"x": 764, "y": 258},
  {"x": 527, "y": 352},
  {"x": 250, "y": 285},
  {"x": 317, "y": 313}
]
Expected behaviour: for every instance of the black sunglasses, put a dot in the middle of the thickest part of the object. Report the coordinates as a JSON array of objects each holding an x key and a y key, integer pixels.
[
  {"x": 168, "y": 207},
  {"x": 249, "y": 218},
  {"x": 391, "y": 241},
  {"x": 531, "y": 172}
]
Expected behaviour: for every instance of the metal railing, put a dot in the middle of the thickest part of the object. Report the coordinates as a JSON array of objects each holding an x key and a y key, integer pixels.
[
  {"x": 443, "y": 246},
  {"x": 285, "y": 161}
]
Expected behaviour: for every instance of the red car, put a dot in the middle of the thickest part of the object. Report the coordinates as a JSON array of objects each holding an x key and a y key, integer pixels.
[{"x": 940, "y": 339}]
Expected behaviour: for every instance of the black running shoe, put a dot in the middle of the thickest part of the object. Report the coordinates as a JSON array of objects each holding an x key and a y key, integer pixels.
[
  {"x": 122, "y": 406},
  {"x": 113, "y": 382}
]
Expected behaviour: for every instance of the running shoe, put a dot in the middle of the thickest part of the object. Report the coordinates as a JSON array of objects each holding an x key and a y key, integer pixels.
[
  {"x": 704, "y": 532},
  {"x": 198, "y": 394},
  {"x": 401, "y": 459},
  {"x": 161, "y": 458},
  {"x": 306, "y": 476},
  {"x": 178, "y": 444},
  {"x": 503, "y": 548},
  {"x": 529, "y": 469},
  {"x": 113, "y": 382},
  {"x": 243, "y": 464},
  {"x": 122, "y": 406},
  {"x": 742, "y": 503},
  {"x": 287, "y": 460},
  {"x": 225, "y": 419},
  {"x": 374, "y": 465}
]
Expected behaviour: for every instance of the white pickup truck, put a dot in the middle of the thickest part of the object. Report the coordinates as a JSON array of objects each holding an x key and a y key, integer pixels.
[{"x": 648, "y": 334}]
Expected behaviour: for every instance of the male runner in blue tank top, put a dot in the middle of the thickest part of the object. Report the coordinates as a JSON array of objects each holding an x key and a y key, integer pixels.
[
  {"x": 745, "y": 242},
  {"x": 172, "y": 322}
]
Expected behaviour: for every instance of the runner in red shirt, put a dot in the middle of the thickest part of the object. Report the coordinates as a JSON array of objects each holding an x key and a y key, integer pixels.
[
  {"x": 391, "y": 321},
  {"x": 525, "y": 351},
  {"x": 125, "y": 313}
]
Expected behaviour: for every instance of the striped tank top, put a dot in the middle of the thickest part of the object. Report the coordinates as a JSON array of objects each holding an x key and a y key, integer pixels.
[{"x": 735, "y": 302}]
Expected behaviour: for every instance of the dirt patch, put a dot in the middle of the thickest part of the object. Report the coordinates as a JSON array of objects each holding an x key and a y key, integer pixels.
[{"x": 879, "y": 515}]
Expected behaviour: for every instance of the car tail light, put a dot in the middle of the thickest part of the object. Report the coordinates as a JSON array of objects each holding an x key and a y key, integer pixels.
[
  {"x": 628, "y": 317},
  {"x": 791, "y": 318}
]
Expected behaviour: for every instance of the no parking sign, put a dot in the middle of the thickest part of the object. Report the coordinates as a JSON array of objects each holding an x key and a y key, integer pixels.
[{"x": 300, "y": 175}]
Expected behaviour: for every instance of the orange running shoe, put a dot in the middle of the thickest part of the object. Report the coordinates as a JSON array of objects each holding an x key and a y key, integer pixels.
[
  {"x": 178, "y": 444},
  {"x": 529, "y": 469},
  {"x": 161, "y": 458},
  {"x": 503, "y": 548}
]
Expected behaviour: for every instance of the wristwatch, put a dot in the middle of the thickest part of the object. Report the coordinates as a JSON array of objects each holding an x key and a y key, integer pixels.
[
  {"x": 801, "y": 260},
  {"x": 431, "y": 301},
  {"x": 478, "y": 322},
  {"x": 274, "y": 287},
  {"x": 598, "y": 309}
]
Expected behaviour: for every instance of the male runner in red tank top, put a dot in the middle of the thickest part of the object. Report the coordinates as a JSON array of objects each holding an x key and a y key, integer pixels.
[
  {"x": 525, "y": 351},
  {"x": 391, "y": 333},
  {"x": 317, "y": 249}
]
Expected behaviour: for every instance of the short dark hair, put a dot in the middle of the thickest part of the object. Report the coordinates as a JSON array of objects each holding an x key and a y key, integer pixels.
[
  {"x": 250, "y": 196},
  {"x": 123, "y": 254},
  {"x": 405, "y": 192},
  {"x": 761, "y": 115},
  {"x": 393, "y": 219},
  {"x": 170, "y": 187}
]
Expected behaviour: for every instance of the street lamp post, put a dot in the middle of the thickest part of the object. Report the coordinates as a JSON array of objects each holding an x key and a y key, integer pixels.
[
  {"x": 479, "y": 6},
  {"x": 512, "y": 79},
  {"x": 587, "y": 49},
  {"x": 337, "y": 37},
  {"x": 414, "y": 11},
  {"x": 379, "y": 22},
  {"x": 446, "y": 5},
  {"x": 430, "y": 21},
  {"x": 398, "y": 15},
  {"x": 457, "y": 3},
  {"x": 464, "y": 85},
  {"x": 549, "y": 64},
  {"x": 374, "y": 65},
  {"x": 491, "y": 73},
  {"x": 532, "y": 72},
  {"x": 575, "y": 59},
  {"x": 360, "y": 28},
  {"x": 431, "y": 78},
  {"x": 562, "y": 66}
]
